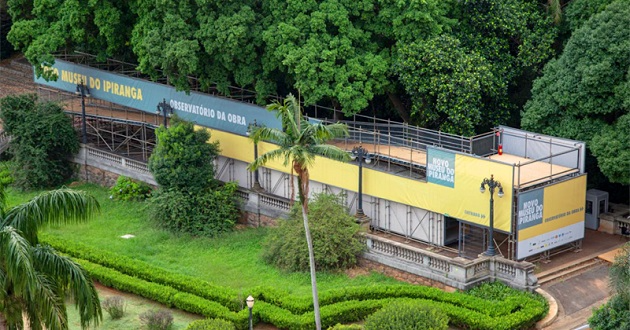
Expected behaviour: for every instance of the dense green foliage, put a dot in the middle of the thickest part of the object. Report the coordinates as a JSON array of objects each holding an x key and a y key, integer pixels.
[
  {"x": 585, "y": 93},
  {"x": 336, "y": 240},
  {"x": 183, "y": 159},
  {"x": 189, "y": 198},
  {"x": 613, "y": 315},
  {"x": 36, "y": 280},
  {"x": 127, "y": 189},
  {"x": 211, "y": 324},
  {"x": 407, "y": 315},
  {"x": 43, "y": 141},
  {"x": 336, "y": 52},
  {"x": 447, "y": 84},
  {"x": 205, "y": 213}
]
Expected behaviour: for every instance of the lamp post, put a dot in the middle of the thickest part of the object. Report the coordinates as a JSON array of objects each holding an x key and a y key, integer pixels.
[
  {"x": 250, "y": 305},
  {"x": 362, "y": 155},
  {"x": 251, "y": 128},
  {"x": 492, "y": 184},
  {"x": 165, "y": 109},
  {"x": 84, "y": 91}
]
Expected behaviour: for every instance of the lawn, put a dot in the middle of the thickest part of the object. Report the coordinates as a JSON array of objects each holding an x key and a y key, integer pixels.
[{"x": 232, "y": 260}]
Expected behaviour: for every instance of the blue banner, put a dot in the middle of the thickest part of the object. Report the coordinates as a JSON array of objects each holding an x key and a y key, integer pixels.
[
  {"x": 204, "y": 110},
  {"x": 441, "y": 167}
]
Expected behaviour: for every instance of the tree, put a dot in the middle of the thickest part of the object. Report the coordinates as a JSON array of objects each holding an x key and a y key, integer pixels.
[
  {"x": 298, "y": 143},
  {"x": 183, "y": 159},
  {"x": 448, "y": 85},
  {"x": 36, "y": 280},
  {"x": 43, "y": 142},
  {"x": 585, "y": 93},
  {"x": 189, "y": 199}
]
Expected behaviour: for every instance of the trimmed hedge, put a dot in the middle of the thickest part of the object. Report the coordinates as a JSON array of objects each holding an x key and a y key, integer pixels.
[{"x": 516, "y": 311}]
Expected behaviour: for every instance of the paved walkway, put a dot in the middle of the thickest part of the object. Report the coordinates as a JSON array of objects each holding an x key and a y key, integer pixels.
[{"x": 579, "y": 294}]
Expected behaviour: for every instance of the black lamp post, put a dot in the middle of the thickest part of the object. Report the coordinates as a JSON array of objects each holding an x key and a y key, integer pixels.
[
  {"x": 492, "y": 184},
  {"x": 250, "y": 305},
  {"x": 362, "y": 155},
  {"x": 165, "y": 109},
  {"x": 84, "y": 91},
  {"x": 250, "y": 128}
]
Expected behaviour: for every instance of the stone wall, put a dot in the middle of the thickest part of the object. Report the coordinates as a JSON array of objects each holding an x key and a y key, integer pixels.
[
  {"x": 403, "y": 275},
  {"x": 96, "y": 175}
]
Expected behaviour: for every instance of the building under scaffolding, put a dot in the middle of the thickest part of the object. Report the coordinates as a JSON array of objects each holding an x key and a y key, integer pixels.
[{"x": 422, "y": 185}]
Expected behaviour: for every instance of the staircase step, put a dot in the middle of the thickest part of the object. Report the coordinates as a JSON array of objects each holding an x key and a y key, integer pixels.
[{"x": 569, "y": 271}]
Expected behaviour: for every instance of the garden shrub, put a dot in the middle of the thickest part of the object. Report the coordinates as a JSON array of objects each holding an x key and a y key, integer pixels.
[
  {"x": 43, "y": 144},
  {"x": 211, "y": 324},
  {"x": 114, "y": 306},
  {"x": 613, "y": 315},
  {"x": 407, "y": 315},
  {"x": 204, "y": 213},
  {"x": 157, "y": 320},
  {"x": 336, "y": 237},
  {"x": 127, "y": 189},
  {"x": 189, "y": 199}
]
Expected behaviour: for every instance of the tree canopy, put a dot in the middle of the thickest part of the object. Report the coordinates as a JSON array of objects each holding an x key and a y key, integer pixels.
[
  {"x": 585, "y": 93},
  {"x": 339, "y": 53}
]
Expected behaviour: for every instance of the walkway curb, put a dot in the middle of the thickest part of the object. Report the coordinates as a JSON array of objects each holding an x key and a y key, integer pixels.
[{"x": 553, "y": 309}]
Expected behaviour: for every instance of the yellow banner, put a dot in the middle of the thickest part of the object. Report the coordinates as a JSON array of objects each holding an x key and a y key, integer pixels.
[
  {"x": 562, "y": 205},
  {"x": 464, "y": 173}
]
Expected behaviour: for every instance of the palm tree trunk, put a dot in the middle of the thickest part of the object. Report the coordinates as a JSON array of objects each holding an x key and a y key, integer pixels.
[
  {"x": 311, "y": 258},
  {"x": 303, "y": 177}
]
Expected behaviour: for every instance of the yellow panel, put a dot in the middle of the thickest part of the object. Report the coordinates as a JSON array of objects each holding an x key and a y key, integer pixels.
[
  {"x": 563, "y": 206},
  {"x": 463, "y": 201}
]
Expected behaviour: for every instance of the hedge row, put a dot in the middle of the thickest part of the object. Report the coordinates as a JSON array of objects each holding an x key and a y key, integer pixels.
[
  {"x": 163, "y": 294},
  {"x": 224, "y": 296},
  {"x": 288, "y": 312}
]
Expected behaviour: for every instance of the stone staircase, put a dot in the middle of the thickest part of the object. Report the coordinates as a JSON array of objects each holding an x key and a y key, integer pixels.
[{"x": 569, "y": 270}]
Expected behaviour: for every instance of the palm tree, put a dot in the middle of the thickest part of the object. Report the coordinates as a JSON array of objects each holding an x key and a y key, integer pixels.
[
  {"x": 34, "y": 280},
  {"x": 299, "y": 142}
]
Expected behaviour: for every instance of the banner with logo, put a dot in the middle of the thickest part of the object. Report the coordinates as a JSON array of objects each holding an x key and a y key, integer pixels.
[
  {"x": 550, "y": 217},
  {"x": 202, "y": 109}
]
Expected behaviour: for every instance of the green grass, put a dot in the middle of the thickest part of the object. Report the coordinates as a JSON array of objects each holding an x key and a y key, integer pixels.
[
  {"x": 232, "y": 260},
  {"x": 134, "y": 306}
]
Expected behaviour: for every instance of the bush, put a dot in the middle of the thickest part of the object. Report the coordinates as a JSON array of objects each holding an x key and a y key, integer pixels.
[
  {"x": 613, "y": 315},
  {"x": 157, "y": 320},
  {"x": 211, "y": 324},
  {"x": 114, "y": 306},
  {"x": 407, "y": 315},
  {"x": 127, "y": 189},
  {"x": 336, "y": 237},
  {"x": 43, "y": 143},
  {"x": 204, "y": 213}
]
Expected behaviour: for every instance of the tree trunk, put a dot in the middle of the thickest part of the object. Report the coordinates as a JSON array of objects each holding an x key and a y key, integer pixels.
[
  {"x": 399, "y": 106},
  {"x": 303, "y": 177}
]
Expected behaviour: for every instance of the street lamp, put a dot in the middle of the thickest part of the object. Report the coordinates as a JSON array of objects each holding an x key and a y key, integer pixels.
[
  {"x": 492, "y": 184},
  {"x": 250, "y": 129},
  {"x": 165, "y": 109},
  {"x": 84, "y": 91},
  {"x": 362, "y": 155},
  {"x": 250, "y": 305}
]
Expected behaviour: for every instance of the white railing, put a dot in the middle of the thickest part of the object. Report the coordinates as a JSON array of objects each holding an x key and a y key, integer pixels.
[{"x": 456, "y": 272}]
